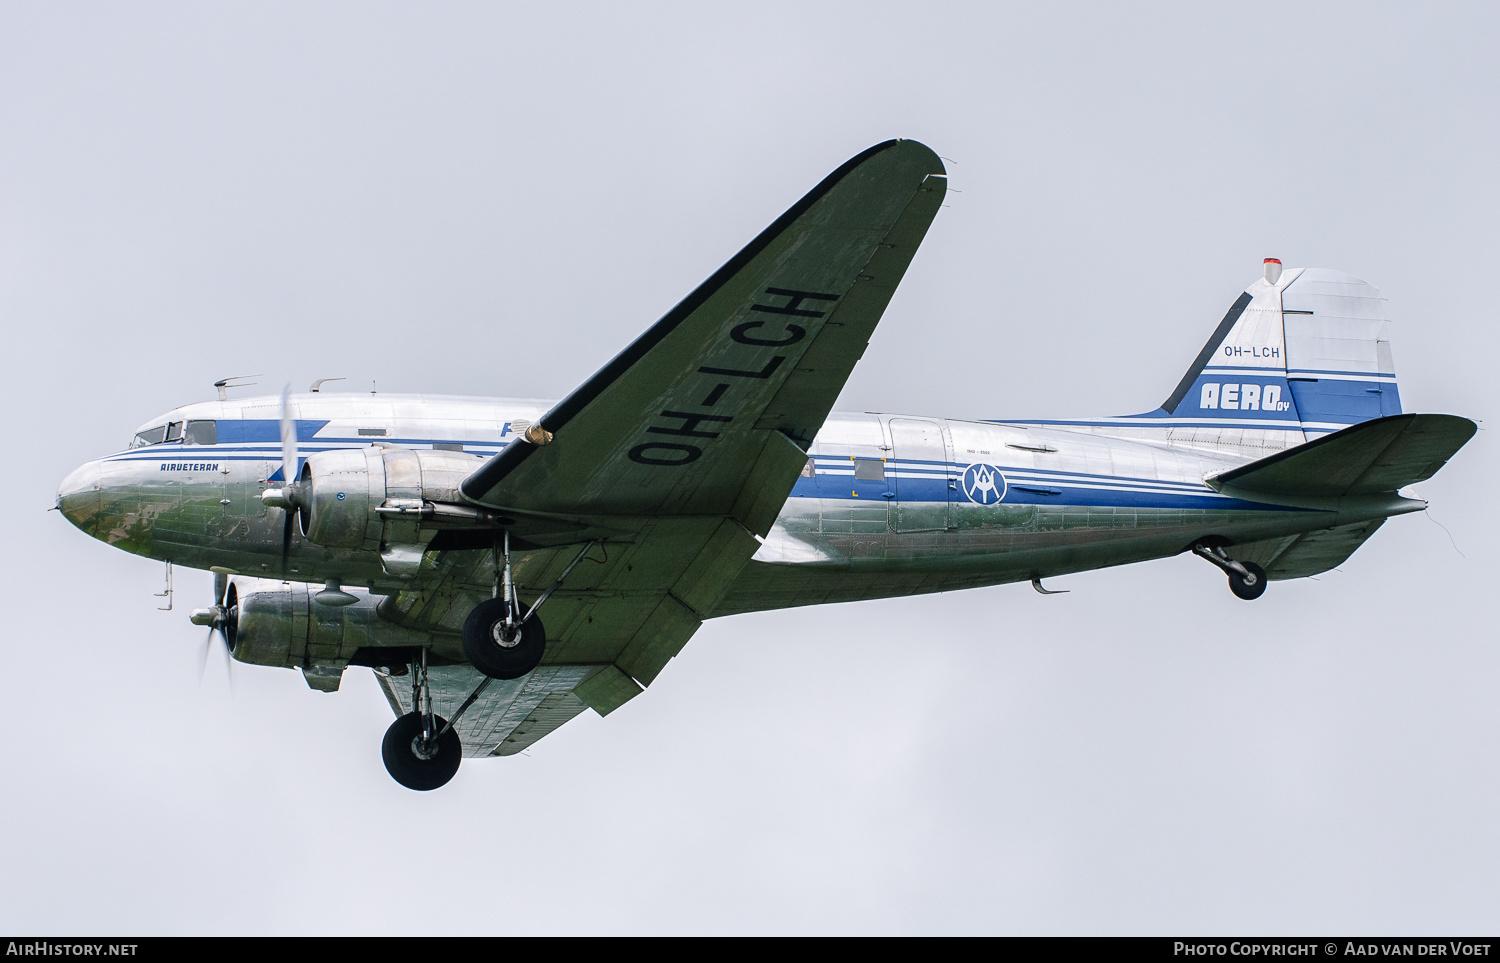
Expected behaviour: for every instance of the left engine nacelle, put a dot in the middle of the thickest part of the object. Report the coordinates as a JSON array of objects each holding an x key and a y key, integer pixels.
[
  {"x": 342, "y": 489},
  {"x": 282, "y": 624}
]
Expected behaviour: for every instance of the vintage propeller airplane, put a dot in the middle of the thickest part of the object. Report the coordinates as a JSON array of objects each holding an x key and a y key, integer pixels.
[{"x": 520, "y": 562}]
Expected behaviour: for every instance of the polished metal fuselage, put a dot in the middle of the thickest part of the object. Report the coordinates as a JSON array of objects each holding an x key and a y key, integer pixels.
[{"x": 889, "y": 505}]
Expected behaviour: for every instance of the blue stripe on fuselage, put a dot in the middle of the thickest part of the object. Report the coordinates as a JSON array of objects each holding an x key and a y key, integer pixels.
[{"x": 906, "y": 480}]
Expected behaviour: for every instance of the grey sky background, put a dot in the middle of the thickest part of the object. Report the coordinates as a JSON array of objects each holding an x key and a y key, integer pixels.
[{"x": 490, "y": 199}]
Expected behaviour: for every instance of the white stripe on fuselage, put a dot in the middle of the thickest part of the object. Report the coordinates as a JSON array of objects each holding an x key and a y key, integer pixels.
[{"x": 480, "y": 425}]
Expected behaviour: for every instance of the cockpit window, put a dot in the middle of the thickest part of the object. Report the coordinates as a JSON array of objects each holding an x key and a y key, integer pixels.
[
  {"x": 201, "y": 433},
  {"x": 191, "y": 433},
  {"x": 151, "y": 436}
]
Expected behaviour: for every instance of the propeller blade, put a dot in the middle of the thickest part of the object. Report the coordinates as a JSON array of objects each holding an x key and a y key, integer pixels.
[
  {"x": 221, "y": 587},
  {"x": 228, "y": 661},
  {"x": 288, "y": 440},
  {"x": 286, "y": 537},
  {"x": 203, "y": 656}
]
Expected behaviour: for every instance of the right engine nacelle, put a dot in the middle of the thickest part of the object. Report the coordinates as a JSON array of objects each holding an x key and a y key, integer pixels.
[{"x": 341, "y": 490}]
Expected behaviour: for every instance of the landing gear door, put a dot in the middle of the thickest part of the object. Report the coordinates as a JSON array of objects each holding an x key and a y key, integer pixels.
[{"x": 921, "y": 478}]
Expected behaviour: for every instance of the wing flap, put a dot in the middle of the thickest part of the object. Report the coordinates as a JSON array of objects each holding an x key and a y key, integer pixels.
[
  {"x": 554, "y": 710},
  {"x": 767, "y": 484}
]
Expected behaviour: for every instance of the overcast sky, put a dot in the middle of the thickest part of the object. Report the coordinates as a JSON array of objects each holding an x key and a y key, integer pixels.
[{"x": 484, "y": 199}]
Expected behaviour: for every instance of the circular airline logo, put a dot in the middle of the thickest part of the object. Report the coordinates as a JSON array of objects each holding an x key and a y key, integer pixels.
[{"x": 984, "y": 484}]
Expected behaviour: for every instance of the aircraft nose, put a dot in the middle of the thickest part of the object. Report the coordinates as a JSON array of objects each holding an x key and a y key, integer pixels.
[{"x": 78, "y": 495}]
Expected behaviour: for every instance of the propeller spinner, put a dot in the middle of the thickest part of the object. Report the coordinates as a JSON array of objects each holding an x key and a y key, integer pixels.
[{"x": 219, "y": 619}]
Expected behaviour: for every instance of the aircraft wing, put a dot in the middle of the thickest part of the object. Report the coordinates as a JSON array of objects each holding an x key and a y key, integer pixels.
[
  {"x": 623, "y": 613},
  {"x": 684, "y": 447},
  {"x": 711, "y": 410}
]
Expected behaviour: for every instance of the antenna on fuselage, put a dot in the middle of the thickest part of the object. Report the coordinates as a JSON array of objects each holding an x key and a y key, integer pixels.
[
  {"x": 323, "y": 381},
  {"x": 224, "y": 383}
]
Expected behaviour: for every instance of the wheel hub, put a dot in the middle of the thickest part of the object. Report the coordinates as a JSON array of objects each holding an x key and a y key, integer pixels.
[
  {"x": 506, "y": 638},
  {"x": 422, "y": 749}
]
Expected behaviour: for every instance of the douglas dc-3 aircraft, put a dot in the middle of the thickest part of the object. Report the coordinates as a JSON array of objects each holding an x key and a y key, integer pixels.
[{"x": 521, "y": 562}]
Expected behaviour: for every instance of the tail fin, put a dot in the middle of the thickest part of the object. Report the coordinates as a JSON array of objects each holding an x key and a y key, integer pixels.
[{"x": 1306, "y": 354}]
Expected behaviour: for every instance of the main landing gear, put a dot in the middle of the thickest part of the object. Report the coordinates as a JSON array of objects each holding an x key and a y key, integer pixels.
[
  {"x": 503, "y": 638},
  {"x": 420, "y": 749},
  {"x": 1246, "y": 579}
]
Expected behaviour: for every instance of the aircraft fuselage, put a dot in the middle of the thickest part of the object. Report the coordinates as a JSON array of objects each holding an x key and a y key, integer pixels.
[{"x": 889, "y": 504}]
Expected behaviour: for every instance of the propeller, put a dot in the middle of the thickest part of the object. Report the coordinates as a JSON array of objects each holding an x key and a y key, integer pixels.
[
  {"x": 288, "y": 496},
  {"x": 219, "y": 619},
  {"x": 288, "y": 438}
]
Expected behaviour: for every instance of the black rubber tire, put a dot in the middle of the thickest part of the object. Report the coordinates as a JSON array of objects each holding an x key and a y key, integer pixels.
[
  {"x": 493, "y": 659},
  {"x": 1248, "y": 590},
  {"x": 411, "y": 770}
]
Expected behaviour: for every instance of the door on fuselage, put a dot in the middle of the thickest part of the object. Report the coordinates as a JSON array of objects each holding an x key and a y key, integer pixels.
[{"x": 922, "y": 480}]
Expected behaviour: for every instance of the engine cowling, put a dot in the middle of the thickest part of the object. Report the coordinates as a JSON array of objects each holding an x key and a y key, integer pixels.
[
  {"x": 341, "y": 490},
  {"x": 282, "y": 624}
]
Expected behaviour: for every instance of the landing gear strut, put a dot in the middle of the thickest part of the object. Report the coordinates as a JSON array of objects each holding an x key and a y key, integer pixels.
[
  {"x": 1246, "y": 579},
  {"x": 503, "y": 638},
  {"x": 421, "y": 751}
]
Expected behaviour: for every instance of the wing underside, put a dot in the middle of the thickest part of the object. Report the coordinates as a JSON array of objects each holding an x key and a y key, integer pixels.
[{"x": 508, "y": 716}]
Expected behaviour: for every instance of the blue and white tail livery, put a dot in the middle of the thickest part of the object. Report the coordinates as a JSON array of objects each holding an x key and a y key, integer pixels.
[{"x": 1301, "y": 352}]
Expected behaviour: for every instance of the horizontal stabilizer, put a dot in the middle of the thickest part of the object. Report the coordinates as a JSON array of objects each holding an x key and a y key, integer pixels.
[
  {"x": 1375, "y": 456},
  {"x": 1311, "y": 553}
]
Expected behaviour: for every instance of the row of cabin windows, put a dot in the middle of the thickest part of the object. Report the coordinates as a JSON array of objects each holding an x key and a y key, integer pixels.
[
  {"x": 865, "y": 469},
  {"x": 186, "y": 432},
  {"x": 207, "y": 433}
]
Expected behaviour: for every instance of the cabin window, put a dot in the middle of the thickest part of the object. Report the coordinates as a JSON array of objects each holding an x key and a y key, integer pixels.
[
  {"x": 200, "y": 433},
  {"x": 808, "y": 471},
  {"x": 376, "y": 432},
  {"x": 869, "y": 469},
  {"x": 151, "y": 436},
  {"x": 174, "y": 431}
]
